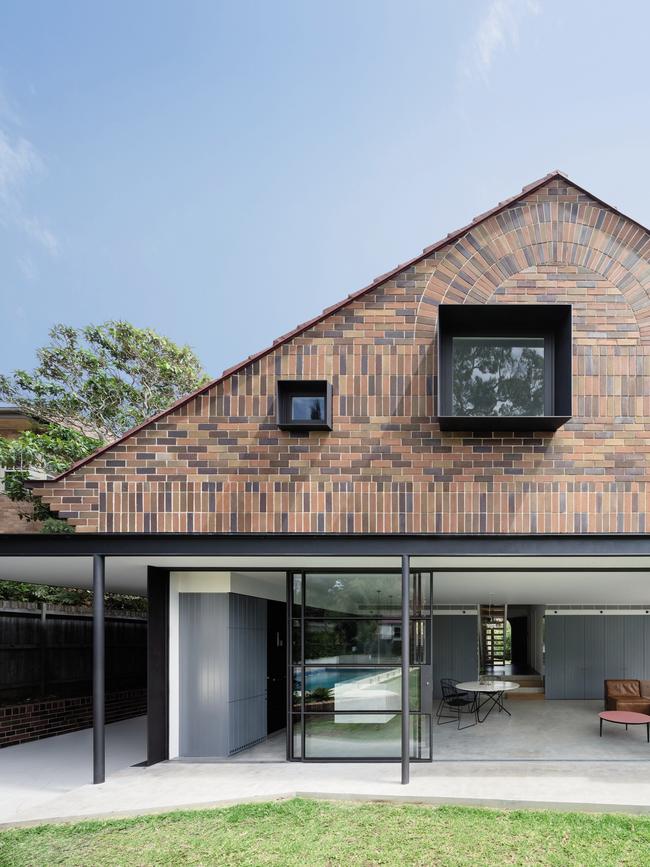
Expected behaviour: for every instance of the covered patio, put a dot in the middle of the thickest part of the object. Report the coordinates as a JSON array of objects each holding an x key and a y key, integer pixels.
[{"x": 561, "y": 571}]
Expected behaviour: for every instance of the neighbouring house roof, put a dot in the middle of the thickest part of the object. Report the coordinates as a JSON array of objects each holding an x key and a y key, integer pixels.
[
  {"x": 335, "y": 308},
  {"x": 13, "y": 419}
]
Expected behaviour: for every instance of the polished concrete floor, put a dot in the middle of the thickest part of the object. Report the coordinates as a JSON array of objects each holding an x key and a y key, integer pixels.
[
  {"x": 272, "y": 749},
  {"x": 542, "y": 731},
  {"x": 536, "y": 731}
]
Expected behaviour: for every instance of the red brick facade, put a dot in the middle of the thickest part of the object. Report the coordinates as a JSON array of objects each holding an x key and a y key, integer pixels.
[
  {"x": 32, "y": 721},
  {"x": 219, "y": 463}
]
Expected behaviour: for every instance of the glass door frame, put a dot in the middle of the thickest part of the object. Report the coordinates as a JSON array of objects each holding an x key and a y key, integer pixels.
[{"x": 421, "y": 614}]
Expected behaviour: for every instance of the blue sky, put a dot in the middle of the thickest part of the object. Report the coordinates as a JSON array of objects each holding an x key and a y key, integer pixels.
[{"x": 221, "y": 171}]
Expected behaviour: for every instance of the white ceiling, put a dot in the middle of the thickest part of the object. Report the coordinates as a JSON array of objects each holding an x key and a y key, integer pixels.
[
  {"x": 543, "y": 588},
  {"x": 601, "y": 583}
]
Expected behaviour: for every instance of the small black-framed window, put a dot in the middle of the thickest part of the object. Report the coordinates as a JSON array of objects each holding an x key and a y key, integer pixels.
[
  {"x": 504, "y": 366},
  {"x": 304, "y": 404}
]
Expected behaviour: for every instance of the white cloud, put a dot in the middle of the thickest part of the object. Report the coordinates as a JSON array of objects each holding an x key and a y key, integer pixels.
[
  {"x": 20, "y": 164},
  {"x": 27, "y": 268},
  {"x": 41, "y": 234},
  {"x": 497, "y": 32}
]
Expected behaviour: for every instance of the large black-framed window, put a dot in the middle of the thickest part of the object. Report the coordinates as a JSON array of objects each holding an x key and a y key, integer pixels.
[
  {"x": 504, "y": 366},
  {"x": 345, "y": 666}
]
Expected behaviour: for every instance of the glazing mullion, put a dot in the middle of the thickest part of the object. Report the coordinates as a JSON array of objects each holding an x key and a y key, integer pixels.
[
  {"x": 302, "y": 664},
  {"x": 289, "y": 666}
]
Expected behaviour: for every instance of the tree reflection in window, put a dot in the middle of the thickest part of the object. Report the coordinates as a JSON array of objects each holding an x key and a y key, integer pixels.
[
  {"x": 308, "y": 408},
  {"x": 498, "y": 376}
]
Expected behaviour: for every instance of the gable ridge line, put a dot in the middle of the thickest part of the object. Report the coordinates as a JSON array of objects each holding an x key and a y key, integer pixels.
[{"x": 334, "y": 308}]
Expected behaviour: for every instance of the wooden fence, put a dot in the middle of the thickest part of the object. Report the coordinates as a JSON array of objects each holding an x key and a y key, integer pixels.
[{"x": 46, "y": 651}]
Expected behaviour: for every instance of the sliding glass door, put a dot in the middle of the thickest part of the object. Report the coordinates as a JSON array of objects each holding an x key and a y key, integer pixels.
[{"x": 346, "y": 654}]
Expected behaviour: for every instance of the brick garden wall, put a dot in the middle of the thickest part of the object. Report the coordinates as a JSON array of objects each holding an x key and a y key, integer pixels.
[
  {"x": 219, "y": 463},
  {"x": 43, "y": 719}
]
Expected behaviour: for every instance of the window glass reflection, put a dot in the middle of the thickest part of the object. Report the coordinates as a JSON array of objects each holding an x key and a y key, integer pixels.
[
  {"x": 364, "y": 736},
  {"x": 308, "y": 408},
  {"x": 498, "y": 376},
  {"x": 340, "y": 642},
  {"x": 353, "y": 595},
  {"x": 347, "y": 689}
]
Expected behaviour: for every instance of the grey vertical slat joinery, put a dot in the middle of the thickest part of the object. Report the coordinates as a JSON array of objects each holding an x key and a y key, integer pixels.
[
  {"x": 594, "y": 656},
  {"x": 614, "y": 646},
  {"x": 203, "y": 663},
  {"x": 247, "y": 671},
  {"x": 582, "y": 651},
  {"x": 574, "y": 657},
  {"x": 454, "y": 648},
  {"x": 555, "y": 657},
  {"x": 634, "y": 646}
]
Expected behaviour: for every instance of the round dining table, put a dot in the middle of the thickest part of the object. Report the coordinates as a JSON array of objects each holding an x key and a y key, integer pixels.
[{"x": 492, "y": 690}]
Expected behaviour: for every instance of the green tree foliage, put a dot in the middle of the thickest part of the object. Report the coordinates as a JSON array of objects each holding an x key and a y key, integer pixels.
[
  {"x": 90, "y": 386},
  {"x": 23, "y": 592},
  {"x": 102, "y": 380},
  {"x": 49, "y": 449}
]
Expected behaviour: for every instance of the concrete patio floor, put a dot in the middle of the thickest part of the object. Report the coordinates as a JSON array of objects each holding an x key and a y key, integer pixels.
[
  {"x": 35, "y": 772},
  {"x": 49, "y": 780},
  {"x": 597, "y": 786}
]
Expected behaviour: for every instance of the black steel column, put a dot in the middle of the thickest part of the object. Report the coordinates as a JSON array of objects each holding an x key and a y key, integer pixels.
[
  {"x": 406, "y": 640},
  {"x": 99, "y": 750},
  {"x": 157, "y": 665}
]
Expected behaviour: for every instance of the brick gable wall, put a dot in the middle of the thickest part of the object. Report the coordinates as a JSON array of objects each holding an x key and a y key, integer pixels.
[{"x": 219, "y": 463}]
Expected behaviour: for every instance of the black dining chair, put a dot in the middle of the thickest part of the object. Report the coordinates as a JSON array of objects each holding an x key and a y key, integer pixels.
[{"x": 453, "y": 703}]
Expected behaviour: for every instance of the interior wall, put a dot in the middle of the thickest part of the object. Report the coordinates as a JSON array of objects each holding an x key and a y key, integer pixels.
[
  {"x": 243, "y": 678},
  {"x": 537, "y": 638},
  {"x": 247, "y": 719},
  {"x": 204, "y": 654},
  {"x": 583, "y": 650},
  {"x": 454, "y": 648}
]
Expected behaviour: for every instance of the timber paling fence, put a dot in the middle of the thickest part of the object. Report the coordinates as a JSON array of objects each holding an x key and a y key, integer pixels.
[{"x": 46, "y": 651}]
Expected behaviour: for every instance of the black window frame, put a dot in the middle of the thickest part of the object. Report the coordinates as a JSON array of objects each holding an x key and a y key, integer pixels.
[
  {"x": 421, "y": 611},
  {"x": 552, "y": 322},
  {"x": 290, "y": 388}
]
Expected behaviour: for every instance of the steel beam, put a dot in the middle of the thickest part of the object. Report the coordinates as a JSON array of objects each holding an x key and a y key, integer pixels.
[{"x": 322, "y": 544}]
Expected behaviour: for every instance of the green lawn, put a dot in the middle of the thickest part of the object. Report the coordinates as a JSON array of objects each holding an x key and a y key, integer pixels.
[{"x": 302, "y": 833}]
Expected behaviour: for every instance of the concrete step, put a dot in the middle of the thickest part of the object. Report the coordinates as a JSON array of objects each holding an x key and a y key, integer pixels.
[
  {"x": 524, "y": 694},
  {"x": 526, "y": 680}
]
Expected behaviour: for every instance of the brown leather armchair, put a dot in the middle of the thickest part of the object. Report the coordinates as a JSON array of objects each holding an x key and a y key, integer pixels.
[{"x": 626, "y": 694}]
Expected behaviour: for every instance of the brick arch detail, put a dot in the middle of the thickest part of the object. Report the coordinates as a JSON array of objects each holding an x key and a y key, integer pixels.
[{"x": 532, "y": 235}]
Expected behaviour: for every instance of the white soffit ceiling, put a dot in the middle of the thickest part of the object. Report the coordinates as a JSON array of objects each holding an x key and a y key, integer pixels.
[
  {"x": 543, "y": 588},
  {"x": 601, "y": 581}
]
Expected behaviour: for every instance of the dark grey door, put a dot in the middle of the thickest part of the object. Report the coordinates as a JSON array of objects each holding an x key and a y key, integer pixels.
[{"x": 276, "y": 666}]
